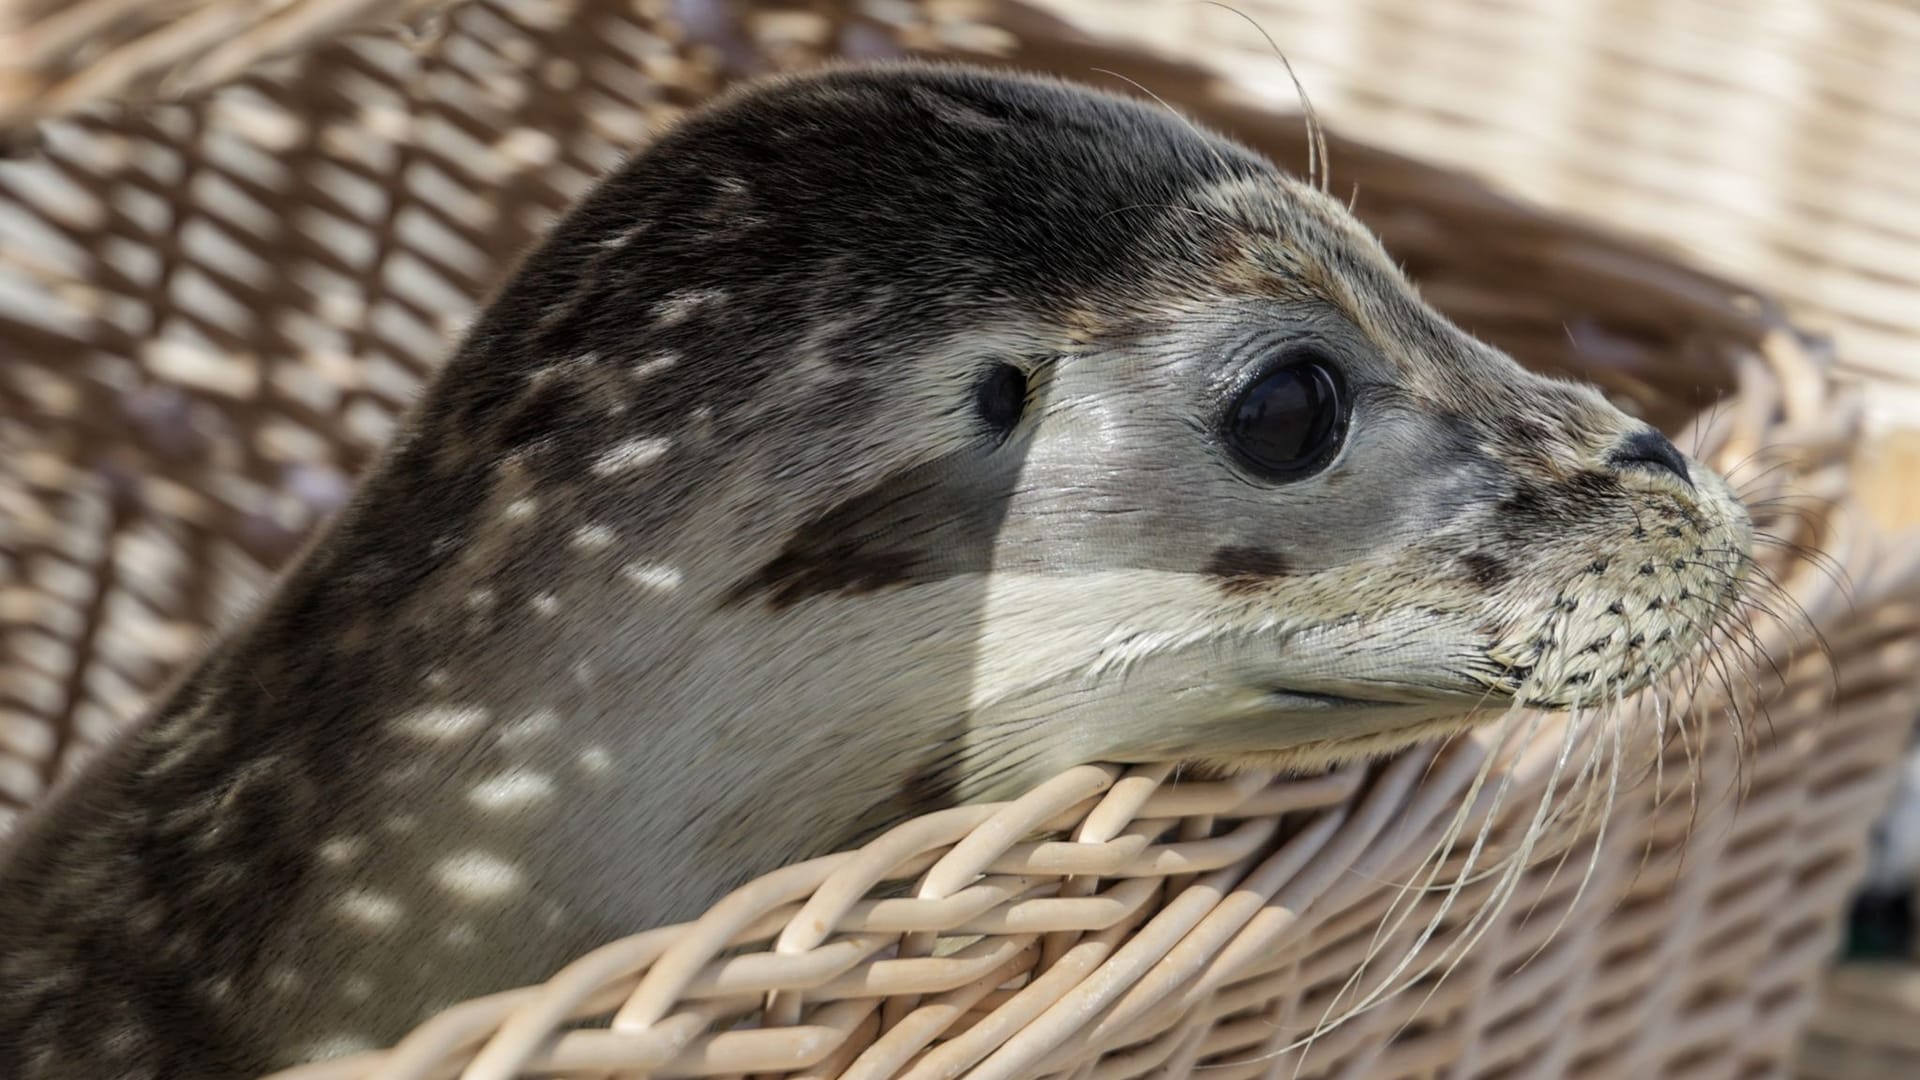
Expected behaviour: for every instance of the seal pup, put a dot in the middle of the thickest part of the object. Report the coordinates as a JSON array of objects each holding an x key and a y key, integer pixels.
[{"x": 878, "y": 439}]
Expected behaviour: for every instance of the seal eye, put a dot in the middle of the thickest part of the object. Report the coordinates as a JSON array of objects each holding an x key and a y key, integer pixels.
[
  {"x": 1290, "y": 422},
  {"x": 1001, "y": 397}
]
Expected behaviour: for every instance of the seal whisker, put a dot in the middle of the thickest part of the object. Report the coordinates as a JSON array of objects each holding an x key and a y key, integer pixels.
[
  {"x": 1690, "y": 728},
  {"x": 1814, "y": 557},
  {"x": 1390, "y": 985},
  {"x": 1317, "y": 159},
  {"x": 1712, "y": 657},
  {"x": 1820, "y": 560},
  {"x": 1574, "y": 807},
  {"x": 1796, "y": 619},
  {"x": 1219, "y": 158},
  {"x": 1804, "y": 508},
  {"x": 1696, "y": 684},
  {"x": 1696, "y": 432},
  {"x": 1561, "y": 810},
  {"x": 1733, "y": 629},
  {"x": 1407, "y": 893},
  {"x": 1738, "y": 724},
  {"x": 1514, "y": 870},
  {"x": 1762, "y": 576},
  {"x": 1742, "y": 484},
  {"x": 1735, "y": 626},
  {"x": 1598, "y": 823},
  {"x": 1663, "y": 746}
]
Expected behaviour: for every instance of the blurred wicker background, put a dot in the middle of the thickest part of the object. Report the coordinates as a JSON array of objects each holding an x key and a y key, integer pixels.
[
  {"x": 211, "y": 311},
  {"x": 1773, "y": 140}
]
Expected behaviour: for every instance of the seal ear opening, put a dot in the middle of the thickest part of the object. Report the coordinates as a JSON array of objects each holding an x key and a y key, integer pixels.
[{"x": 1001, "y": 399}]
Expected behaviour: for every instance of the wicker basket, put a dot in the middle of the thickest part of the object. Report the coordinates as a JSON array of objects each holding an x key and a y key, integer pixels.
[{"x": 213, "y": 308}]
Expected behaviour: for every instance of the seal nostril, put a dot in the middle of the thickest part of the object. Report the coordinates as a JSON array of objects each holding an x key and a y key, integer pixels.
[{"x": 1650, "y": 450}]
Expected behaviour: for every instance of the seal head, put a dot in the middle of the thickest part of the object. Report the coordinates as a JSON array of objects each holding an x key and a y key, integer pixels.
[{"x": 877, "y": 439}]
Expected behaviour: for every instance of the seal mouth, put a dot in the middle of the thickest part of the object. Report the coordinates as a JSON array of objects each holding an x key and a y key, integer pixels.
[
  {"x": 1314, "y": 699},
  {"x": 1396, "y": 701}
]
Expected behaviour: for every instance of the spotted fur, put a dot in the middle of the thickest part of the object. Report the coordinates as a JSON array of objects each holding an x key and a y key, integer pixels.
[{"x": 695, "y": 561}]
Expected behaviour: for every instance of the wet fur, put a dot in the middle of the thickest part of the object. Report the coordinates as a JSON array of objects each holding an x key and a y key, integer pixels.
[{"x": 695, "y": 561}]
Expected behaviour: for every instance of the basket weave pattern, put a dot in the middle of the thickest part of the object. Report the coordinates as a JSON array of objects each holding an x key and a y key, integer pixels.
[{"x": 213, "y": 311}]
